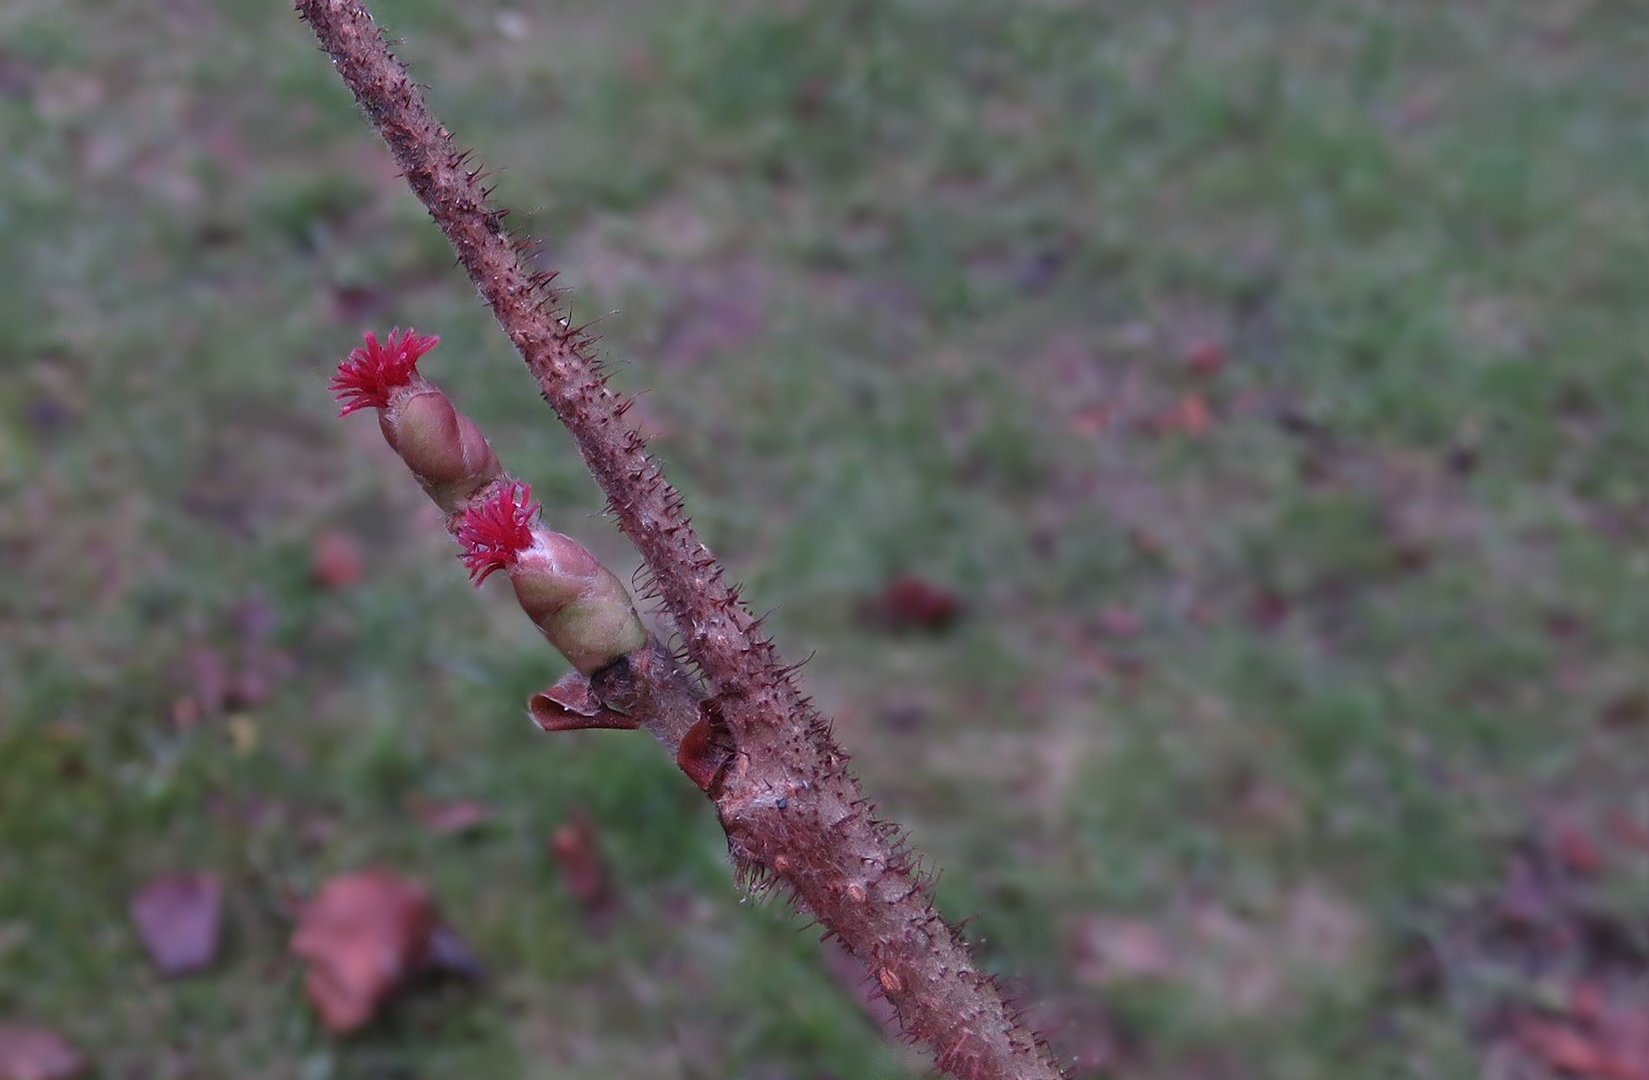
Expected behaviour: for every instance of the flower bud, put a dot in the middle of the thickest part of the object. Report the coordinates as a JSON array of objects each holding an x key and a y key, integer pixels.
[
  {"x": 578, "y": 604},
  {"x": 443, "y": 447}
]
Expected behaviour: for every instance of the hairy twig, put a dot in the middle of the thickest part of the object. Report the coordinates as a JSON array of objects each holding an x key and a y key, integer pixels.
[{"x": 795, "y": 817}]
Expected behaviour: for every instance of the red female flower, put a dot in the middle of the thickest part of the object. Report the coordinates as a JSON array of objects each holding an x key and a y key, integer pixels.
[
  {"x": 495, "y": 532},
  {"x": 373, "y": 372}
]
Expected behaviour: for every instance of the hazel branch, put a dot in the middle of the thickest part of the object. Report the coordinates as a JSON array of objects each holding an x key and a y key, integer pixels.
[{"x": 795, "y": 817}]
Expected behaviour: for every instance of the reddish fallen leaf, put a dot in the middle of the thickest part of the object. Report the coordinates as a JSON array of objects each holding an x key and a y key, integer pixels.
[
  {"x": 453, "y": 818},
  {"x": 1627, "y": 710},
  {"x": 1189, "y": 416},
  {"x": 1092, "y": 420},
  {"x": 179, "y": 918},
  {"x": 1576, "y": 850},
  {"x": 1206, "y": 357},
  {"x": 336, "y": 561},
  {"x": 576, "y": 849},
  {"x": 913, "y": 603},
  {"x": 1564, "y": 1047},
  {"x": 1268, "y": 609},
  {"x": 32, "y": 1053},
  {"x": 364, "y": 936}
]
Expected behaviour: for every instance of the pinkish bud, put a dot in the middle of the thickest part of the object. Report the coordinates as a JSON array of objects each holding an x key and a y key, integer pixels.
[
  {"x": 443, "y": 447},
  {"x": 578, "y": 604}
]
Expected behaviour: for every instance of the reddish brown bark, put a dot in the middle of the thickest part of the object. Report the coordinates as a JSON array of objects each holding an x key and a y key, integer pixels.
[{"x": 795, "y": 817}]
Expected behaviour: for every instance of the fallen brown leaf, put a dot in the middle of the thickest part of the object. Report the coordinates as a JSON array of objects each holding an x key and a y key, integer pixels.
[
  {"x": 576, "y": 849},
  {"x": 913, "y": 603},
  {"x": 1092, "y": 420},
  {"x": 1627, "y": 710},
  {"x": 1206, "y": 357},
  {"x": 1268, "y": 609},
  {"x": 179, "y": 918},
  {"x": 33, "y": 1053},
  {"x": 364, "y": 936},
  {"x": 1563, "y": 1047},
  {"x": 1576, "y": 849},
  {"x": 1189, "y": 416},
  {"x": 336, "y": 561}
]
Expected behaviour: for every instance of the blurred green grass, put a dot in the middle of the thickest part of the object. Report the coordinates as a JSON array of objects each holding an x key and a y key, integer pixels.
[{"x": 911, "y": 285}]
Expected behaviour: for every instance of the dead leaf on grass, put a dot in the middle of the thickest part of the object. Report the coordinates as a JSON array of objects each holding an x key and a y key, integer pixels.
[
  {"x": 1628, "y": 710},
  {"x": 1559, "y": 1045},
  {"x": 576, "y": 848},
  {"x": 364, "y": 936},
  {"x": 1576, "y": 850},
  {"x": 179, "y": 918},
  {"x": 1206, "y": 357},
  {"x": 336, "y": 562},
  {"x": 909, "y": 602},
  {"x": 1596, "y": 1038},
  {"x": 1189, "y": 416}
]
